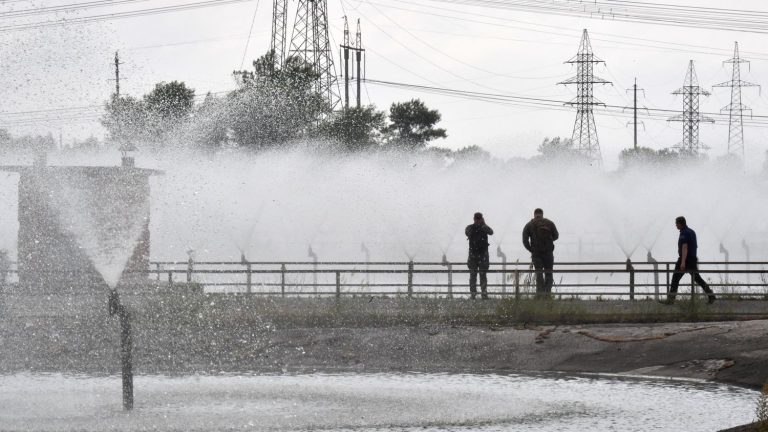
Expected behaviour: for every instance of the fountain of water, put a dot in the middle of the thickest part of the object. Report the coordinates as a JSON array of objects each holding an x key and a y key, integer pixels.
[{"x": 85, "y": 227}]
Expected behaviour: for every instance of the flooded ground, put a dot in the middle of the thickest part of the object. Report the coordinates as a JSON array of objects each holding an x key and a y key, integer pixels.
[{"x": 372, "y": 402}]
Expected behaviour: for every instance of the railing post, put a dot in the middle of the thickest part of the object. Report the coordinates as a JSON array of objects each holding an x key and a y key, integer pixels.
[
  {"x": 338, "y": 285},
  {"x": 157, "y": 266},
  {"x": 282, "y": 280},
  {"x": 410, "y": 279},
  {"x": 170, "y": 277},
  {"x": 449, "y": 267},
  {"x": 693, "y": 291},
  {"x": 631, "y": 270},
  {"x": 190, "y": 268},
  {"x": 517, "y": 281},
  {"x": 248, "y": 286},
  {"x": 667, "y": 273},
  {"x": 655, "y": 275}
]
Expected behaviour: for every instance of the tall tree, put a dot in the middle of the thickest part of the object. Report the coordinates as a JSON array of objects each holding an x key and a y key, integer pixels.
[
  {"x": 125, "y": 119},
  {"x": 412, "y": 125},
  {"x": 356, "y": 129},
  {"x": 171, "y": 101},
  {"x": 151, "y": 119},
  {"x": 168, "y": 106},
  {"x": 208, "y": 127},
  {"x": 559, "y": 149},
  {"x": 274, "y": 106}
]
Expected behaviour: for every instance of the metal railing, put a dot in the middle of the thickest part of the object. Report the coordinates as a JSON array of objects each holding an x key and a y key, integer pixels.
[
  {"x": 608, "y": 279},
  {"x": 449, "y": 279}
]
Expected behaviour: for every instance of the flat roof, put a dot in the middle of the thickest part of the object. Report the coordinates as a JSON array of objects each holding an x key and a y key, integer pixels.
[{"x": 92, "y": 170}]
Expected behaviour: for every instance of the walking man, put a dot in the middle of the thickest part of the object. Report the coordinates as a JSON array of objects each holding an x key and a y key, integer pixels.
[
  {"x": 539, "y": 237},
  {"x": 687, "y": 261},
  {"x": 478, "y": 261}
]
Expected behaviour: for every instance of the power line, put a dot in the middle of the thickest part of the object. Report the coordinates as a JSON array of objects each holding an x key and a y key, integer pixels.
[
  {"x": 121, "y": 15},
  {"x": 650, "y": 13}
]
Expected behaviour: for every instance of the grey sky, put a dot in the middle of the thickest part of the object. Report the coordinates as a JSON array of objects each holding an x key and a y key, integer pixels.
[{"x": 433, "y": 43}]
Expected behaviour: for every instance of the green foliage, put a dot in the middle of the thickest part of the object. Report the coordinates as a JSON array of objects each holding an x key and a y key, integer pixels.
[
  {"x": 356, "y": 129},
  {"x": 274, "y": 106},
  {"x": 125, "y": 120},
  {"x": 644, "y": 156},
  {"x": 208, "y": 128},
  {"x": 171, "y": 101},
  {"x": 559, "y": 149},
  {"x": 26, "y": 144},
  {"x": 151, "y": 119},
  {"x": 471, "y": 153},
  {"x": 412, "y": 125}
]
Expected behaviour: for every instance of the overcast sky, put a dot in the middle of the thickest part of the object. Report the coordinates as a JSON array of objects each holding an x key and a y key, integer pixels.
[{"x": 498, "y": 49}]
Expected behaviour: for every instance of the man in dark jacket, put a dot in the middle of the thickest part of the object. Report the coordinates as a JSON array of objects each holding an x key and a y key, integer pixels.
[
  {"x": 687, "y": 261},
  {"x": 539, "y": 237},
  {"x": 478, "y": 259}
]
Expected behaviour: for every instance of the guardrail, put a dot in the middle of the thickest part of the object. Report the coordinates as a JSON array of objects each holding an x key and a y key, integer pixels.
[
  {"x": 450, "y": 279},
  {"x": 609, "y": 279}
]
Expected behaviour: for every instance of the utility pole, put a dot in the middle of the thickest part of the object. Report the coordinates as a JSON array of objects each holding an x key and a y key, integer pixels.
[
  {"x": 117, "y": 74},
  {"x": 310, "y": 42},
  {"x": 634, "y": 90},
  {"x": 358, "y": 56},
  {"x": 358, "y": 49},
  {"x": 584, "y": 129},
  {"x": 736, "y": 109},
  {"x": 346, "y": 49},
  {"x": 690, "y": 117},
  {"x": 279, "y": 24}
]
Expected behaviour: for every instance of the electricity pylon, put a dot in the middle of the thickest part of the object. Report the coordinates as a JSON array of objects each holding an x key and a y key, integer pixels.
[
  {"x": 691, "y": 92},
  {"x": 736, "y": 109},
  {"x": 584, "y": 129},
  {"x": 279, "y": 24},
  {"x": 310, "y": 42}
]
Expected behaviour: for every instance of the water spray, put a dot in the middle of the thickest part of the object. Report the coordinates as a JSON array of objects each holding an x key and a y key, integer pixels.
[
  {"x": 364, "y": 249},
  {"x": 313, "y": 255},
  {"x": 449, "y": 266},
  {"x": 746, "y": 253},
  {"x": 503, "y": 257},
  {"x": 727, "y": 255},
  {"x": 655, "y": 265}
]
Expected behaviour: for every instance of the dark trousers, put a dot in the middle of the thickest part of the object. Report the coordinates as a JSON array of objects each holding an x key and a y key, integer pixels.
[
  {"x": 478, "y": 264},
  {"x": 543, "y": 264},
  {"x": 693, "y": 269}
]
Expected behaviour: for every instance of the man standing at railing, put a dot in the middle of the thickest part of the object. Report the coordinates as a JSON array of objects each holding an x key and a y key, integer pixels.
[
  {"x": 687, "y": 261},
  {"x": 539, "y": 237},
  {"x": 478, "y": 260}
]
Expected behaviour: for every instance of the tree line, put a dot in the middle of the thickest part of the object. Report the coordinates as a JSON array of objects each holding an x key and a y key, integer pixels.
[{"x": 270, "y": 108}]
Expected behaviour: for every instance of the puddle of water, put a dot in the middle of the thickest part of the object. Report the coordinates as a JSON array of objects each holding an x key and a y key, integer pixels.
[{"x": 372, "y": 402}]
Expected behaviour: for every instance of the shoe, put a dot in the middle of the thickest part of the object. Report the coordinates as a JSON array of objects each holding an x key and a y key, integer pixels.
[{"x": 711, "y": 299}]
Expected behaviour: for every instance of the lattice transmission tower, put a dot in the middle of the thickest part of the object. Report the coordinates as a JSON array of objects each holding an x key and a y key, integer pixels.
[
  {"x": 691, "y": 92},
  {"x": 584, "y": 129},
  {"x": 279, "y": 26},
  {"x": 736, "y": 109},
  {"x": 310, "y": 42}
]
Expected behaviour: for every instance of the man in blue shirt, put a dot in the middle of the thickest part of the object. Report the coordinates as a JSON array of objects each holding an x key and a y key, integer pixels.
[{"x": 687, "y": 261}]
